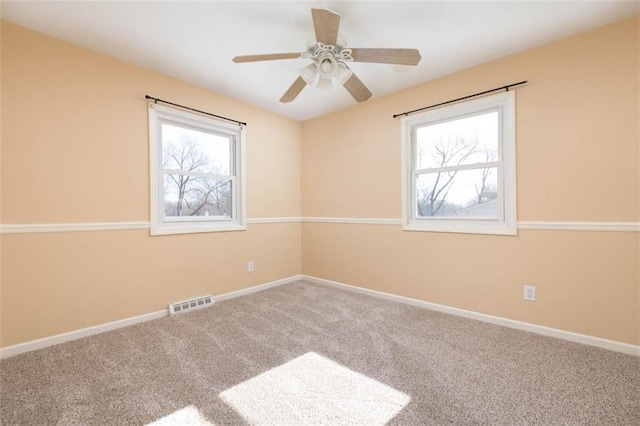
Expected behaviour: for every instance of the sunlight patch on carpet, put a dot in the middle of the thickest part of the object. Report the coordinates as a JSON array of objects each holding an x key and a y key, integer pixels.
[
  {"x": 312, "y": 389},
  {"x": 185, "y": 416}
]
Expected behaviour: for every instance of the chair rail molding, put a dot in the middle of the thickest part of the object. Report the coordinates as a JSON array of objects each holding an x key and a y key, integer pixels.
[{"x": 33, "y": 228}]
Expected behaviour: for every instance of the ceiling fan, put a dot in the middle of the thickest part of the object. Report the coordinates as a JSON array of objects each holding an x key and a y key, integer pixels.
[{"x": 330, "y": 57}]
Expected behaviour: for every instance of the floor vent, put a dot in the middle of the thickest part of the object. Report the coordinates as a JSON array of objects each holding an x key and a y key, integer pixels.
[{"x": 190, "y": 305}]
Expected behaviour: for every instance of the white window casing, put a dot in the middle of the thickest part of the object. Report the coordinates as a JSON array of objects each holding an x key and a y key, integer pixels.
[
  {"x": 162, "y": 224},
  {"x": 503, "y": 202}
]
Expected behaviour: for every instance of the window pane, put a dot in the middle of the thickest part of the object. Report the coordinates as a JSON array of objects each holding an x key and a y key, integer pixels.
[
  {"x": 195, "y": 151},
  {"x": 466, "y": 140},
  {"x": 461, "y": 193},
  {"x": 196, "y": 196}
]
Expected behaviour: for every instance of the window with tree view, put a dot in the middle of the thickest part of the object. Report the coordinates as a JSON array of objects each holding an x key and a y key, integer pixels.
[
  {"x": 196, "y": 173},
  {"x": 459, "y": 167}
]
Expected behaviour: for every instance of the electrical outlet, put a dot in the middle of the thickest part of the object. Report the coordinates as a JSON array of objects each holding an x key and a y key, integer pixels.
[
  {"x": 530, "y": 293},
  {"x": 250, "y": 266}
]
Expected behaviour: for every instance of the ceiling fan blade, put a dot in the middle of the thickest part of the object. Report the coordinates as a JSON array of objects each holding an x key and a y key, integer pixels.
[
  {"x": 387, "y": 56},
  {"x": 326, "y": 24},
  {"x": 294, "y": 90},
  {"x": 270, "y": 57},
  {"x": 357, "y": 89}
]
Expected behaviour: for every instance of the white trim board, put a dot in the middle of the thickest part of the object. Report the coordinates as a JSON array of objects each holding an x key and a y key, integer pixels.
[
  {"x": 612, "y": 345},
  {"x": 257, "y": 288},
  {"x": 529, "y": 225},
  {"x": 263, "y": 220},
  {"x": 119, "y": 226},
  {"x": 33, "y": 228},
  {"x": 357, "y": 220},
  {"x": 626, "y": 348},
  {"x": 45, "y": 342},
  {"x": 582, "y": 226}
]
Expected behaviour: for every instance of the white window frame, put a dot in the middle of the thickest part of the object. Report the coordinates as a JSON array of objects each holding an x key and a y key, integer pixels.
[
  {"x": 506, "y": 223},
  {"x": 160, "y": 225}
]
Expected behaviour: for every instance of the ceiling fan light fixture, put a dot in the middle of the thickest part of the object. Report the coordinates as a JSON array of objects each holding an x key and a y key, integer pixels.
[
  {"x": 327, "y": 66},
  {"x": 327, "y": 48},
  {"x": 343, "y": 73},
  {"x": 326, "y": 72},
  {"x": 324, "y": 83},
  {"x": 309, "y": 73}
]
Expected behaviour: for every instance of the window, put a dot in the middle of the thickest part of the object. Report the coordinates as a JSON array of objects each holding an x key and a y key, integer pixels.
[
  {"x": 197, "y": 173},
  {"x": 459, "y": 167}
]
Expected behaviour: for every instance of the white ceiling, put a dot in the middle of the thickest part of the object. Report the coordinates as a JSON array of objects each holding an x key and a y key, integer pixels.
[{"x": 195, "y": 41}]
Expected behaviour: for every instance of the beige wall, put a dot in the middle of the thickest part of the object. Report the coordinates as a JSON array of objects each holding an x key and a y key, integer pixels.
[
  {"x": 577, "y": 160},
  {"x": 1, "y": 25},
  {"x": 58, "y": 282},
  {"x": 75, "y": 150}
]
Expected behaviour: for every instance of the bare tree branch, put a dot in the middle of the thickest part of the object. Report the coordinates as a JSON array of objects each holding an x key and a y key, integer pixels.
[
  {"x": 194, "y": 194},
  {"x": 454, "y": 151}
]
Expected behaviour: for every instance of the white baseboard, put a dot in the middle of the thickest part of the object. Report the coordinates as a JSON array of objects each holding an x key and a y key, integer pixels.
[
  {"x": 20, "y": 348},
  {"x": 519, "y": 325},
  {"x": 626, "y": 348},
  {"x": 257, "y": 288}
]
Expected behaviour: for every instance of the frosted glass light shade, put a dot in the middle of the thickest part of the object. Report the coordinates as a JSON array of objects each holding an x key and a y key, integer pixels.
[
  {"x": 325, "y": 84},
  {"x": 343, "y": 73},
  {"x": 326, "y": 72},
  {"x": 309, "y": 73},
  {"x": 327, "y": 67}
]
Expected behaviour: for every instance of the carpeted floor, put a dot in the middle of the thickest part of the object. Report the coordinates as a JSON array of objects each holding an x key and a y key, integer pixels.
[{"x": 310, "y": 354}]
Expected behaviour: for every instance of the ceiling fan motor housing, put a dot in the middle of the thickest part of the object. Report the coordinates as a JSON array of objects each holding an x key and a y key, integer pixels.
[{"x": 331, "y": 63}]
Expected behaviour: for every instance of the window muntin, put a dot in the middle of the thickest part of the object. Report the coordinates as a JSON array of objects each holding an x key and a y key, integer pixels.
[
  {"x": 459, "y": 168},
  {"x": 197, "y": 173}
]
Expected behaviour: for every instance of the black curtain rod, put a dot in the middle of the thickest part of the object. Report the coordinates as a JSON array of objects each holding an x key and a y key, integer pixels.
[
  {"x": 461, "y": 99},
  {"x": 156, "y": 100}
]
